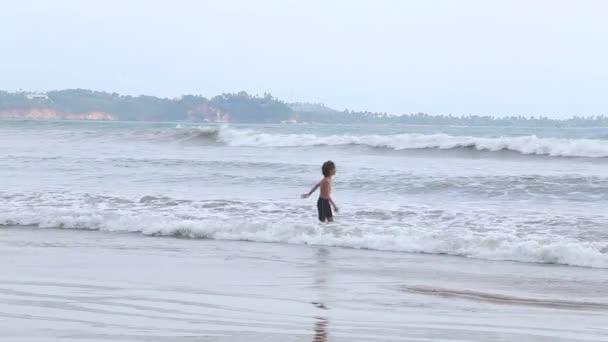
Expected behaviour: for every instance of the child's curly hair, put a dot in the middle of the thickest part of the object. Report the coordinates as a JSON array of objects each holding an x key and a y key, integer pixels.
[{"x": 327, "y": 167}]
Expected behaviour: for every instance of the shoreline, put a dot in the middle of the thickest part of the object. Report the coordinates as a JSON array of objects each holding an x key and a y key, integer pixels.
[
  {"x": 190, "y": 237},
  {"x": 92, "y": 286}
]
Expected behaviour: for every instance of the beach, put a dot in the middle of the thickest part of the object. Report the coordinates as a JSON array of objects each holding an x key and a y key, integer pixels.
[
  {"x": 124, "y": 231},
  {"x": 103, "y": 286},
  {"x": 286, "y": 171}
]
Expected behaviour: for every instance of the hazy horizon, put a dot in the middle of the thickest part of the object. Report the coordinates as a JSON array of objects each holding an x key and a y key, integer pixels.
[{"x": 438, "y": 57}]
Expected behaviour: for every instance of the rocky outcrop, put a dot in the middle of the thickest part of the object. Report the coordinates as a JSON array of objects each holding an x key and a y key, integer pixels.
[
  {"x": 52, "y": 114},
  {"x": 206, "y": 113}
]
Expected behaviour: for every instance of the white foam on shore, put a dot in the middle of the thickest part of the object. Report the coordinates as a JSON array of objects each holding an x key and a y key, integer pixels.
[{"x": 237, "y": 222}]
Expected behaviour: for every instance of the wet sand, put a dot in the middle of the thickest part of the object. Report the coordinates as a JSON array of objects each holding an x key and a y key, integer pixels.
[{"x": 98, "y": 286}]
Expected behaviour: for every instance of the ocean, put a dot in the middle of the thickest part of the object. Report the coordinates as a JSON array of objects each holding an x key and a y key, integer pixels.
[
  {"x": 92, "y": 211},
  {"x": 523, "y": 194}
]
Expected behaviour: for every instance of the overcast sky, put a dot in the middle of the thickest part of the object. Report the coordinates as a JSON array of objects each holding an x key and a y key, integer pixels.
[{"x": 526, "y": 57}]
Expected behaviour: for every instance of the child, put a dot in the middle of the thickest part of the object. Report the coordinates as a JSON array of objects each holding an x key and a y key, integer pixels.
[{"x": 323, "y": 204}]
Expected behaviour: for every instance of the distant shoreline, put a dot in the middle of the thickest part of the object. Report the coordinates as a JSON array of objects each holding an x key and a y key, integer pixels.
[{"x": 241, "y": 107}]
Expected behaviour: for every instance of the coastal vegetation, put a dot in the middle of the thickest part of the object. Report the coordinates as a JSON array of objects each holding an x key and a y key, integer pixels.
[{"x": 240, "y": 107}]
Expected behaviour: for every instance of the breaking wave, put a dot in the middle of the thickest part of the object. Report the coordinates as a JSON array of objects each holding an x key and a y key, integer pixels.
[
  {"x": 526, "y": 145},
  {"x": 414, "y": 230}
]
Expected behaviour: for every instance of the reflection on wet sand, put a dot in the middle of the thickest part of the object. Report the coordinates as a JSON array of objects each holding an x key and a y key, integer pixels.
[{"x": 320, "y": 328}]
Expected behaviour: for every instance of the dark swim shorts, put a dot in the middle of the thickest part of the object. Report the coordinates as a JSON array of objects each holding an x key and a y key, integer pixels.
[{"x": 324, "y": 208}]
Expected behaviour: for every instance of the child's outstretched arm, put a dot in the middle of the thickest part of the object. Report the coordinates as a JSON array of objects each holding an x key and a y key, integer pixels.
[{"x": 314, "y": 188}]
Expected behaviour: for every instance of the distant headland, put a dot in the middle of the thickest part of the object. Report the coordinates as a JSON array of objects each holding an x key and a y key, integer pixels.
[{"x": 241, "y": 107}]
